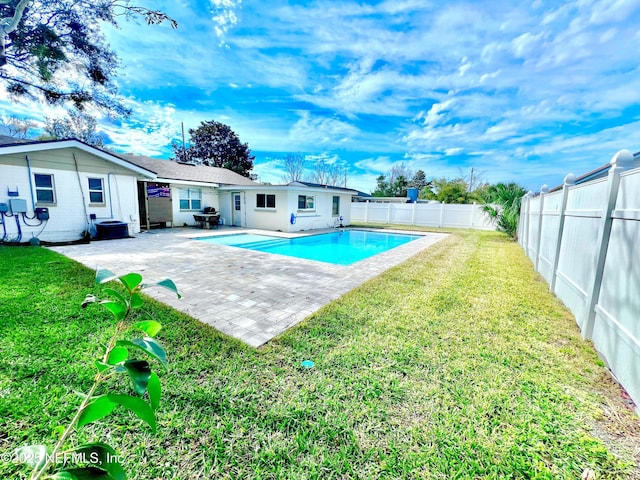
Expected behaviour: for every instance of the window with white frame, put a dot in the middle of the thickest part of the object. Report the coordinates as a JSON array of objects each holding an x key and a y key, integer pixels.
[
  {"x": 265, "y": 200},
  {"x": 335, "y": 206},
  {"x": 306, "y": 202},
  {"x": 45, "y": 189},
  {"x": 96, "y": 190},
  {"x": 190, "y": 199}
]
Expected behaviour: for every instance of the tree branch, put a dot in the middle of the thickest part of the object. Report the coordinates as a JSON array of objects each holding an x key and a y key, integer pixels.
[{"x": 8, "y": 25}]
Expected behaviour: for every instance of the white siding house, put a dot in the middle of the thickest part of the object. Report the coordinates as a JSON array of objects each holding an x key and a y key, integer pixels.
[
  {"x": 294, "y": 207},
  {"x": 73, "y": 184},
  {"x": 66, "y": 190},
  {"x": 240, "y": 201},
  {"x": 188, "y": 190}
]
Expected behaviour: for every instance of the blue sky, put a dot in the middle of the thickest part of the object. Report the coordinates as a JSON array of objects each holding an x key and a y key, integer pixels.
[{"x": 520, "y": 91}]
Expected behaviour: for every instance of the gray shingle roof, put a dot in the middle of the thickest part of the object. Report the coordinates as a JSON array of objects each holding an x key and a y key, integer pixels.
[
  {"x": 7, "y": 140},
  {"x": 194, "y": 173}
]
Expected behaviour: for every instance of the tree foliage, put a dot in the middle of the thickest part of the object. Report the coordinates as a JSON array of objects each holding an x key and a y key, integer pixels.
[
  {"x": 447, "y": 191},
  {"x": 55, "y": 51},
  {"x": 396, "y": 182},
  {"x": 395, "y": 187},
  {"x": 76, "y": 125},
  {"x": 419, "y": 180},
  {"x": 214, "y": 144},
  {"x": 502, "y": 202}
]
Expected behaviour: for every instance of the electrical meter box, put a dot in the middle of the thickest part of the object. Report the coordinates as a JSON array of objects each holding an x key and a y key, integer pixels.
[
  {"x": 42, "y": 213},
  {"x": 18, "y": 205},
  {"x": 4, "y": 208}
]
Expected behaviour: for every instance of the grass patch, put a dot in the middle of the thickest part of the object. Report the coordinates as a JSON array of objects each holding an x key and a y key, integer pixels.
[{"x": 455, "y": 364}]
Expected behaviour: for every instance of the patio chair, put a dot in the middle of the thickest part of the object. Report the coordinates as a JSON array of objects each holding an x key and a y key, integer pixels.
[
  {"x": 200, "y": 220},
  {"x": 213, "y": 221}
]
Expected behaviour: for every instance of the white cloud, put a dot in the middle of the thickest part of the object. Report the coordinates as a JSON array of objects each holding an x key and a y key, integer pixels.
[
  {"x": 151, "y": 128},
  {"x": 224, "y": 15},
  {"x": 527, "y": 44},
  {"x": 313, "y": 131}
]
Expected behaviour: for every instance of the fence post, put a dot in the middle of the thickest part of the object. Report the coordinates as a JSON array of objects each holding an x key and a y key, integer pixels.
[
  {"x": 569, "y": 180},
  {"x": 619, "y": 163},
  {"x": 523, "y": 222},
  {"x": 441, "y": 215},
  {"x": 530, "y": 195},
  {"x": 473, "y": 211},
  {"x": 543, "y": 193},
  {"x": 413, "y": 213},
  {"x": 389, "y": 213},
  {"x": 366, "y": 212}
]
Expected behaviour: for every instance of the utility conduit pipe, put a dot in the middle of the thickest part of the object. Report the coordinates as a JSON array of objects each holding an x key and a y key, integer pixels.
[{"x": 84, "y": 201}]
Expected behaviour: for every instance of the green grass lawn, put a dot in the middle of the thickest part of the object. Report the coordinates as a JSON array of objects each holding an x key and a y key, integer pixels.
[{"x": 455, "y": 364}]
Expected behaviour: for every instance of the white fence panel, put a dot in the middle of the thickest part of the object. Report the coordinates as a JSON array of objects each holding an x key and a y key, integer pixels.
[
  {"x": 422, "y": 214},
  {"x": 428, "y": 214},
  {"x": 616, "y": 331},
  {"x": 534, "y": 228},
  {"x": 579, "y": 248},
  {"x": 549, "y": 234},
  {"x": 585, "y": 241}
]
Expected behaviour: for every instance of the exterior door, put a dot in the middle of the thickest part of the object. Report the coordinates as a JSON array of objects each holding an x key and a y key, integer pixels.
[
  {"x": 236, "y": 209},
  {"x": 155, "y": 204}
]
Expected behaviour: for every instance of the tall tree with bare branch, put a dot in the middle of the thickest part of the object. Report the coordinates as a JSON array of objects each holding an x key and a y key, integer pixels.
[
  {"x": 54, "y": 50},
  {"x": 294, "y": 165}
]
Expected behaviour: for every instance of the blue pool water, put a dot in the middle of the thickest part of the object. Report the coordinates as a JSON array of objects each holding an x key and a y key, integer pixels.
[{"x": 342, "y": 247}]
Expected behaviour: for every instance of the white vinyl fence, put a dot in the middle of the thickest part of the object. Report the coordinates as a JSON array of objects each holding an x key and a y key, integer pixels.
[
  {"x": 585, "y": 241},
  {"x": 422, "y": 214}
]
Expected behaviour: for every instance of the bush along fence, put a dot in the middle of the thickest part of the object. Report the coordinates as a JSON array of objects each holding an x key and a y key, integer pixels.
[
  {"x": 584, "y": 239},
  {"x": 423, "y": 214}
]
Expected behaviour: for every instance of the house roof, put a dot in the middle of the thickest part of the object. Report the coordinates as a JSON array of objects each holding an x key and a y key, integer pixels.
[
  {"x": 320, "y": 185},
  {"x": 7, "y": 140},
  {"x": 10, "y": 145},
  {"x": 170, "y": 170}
]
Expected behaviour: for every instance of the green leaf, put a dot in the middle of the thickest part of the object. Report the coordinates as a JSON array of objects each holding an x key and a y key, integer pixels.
[
  {"x": 139, "y": 371},
  {"x": 98, "y": 408},
  {"x": 131, "y": 280},
  {"x": 137, "y": 406},
  {"x": 154, "y": 390},
  {"x": 166, "y": 283},
  {"x": 150, "y": 327},
  {"x": 101, "y": 366},
  {"x": 116, "y": 308},
  {"x": 57, "y": 432},
  {"x": 83, "y": 473},
  {"x": 33, "y": 455},
  {"x": 114, "y": 293},
  {"x": 136, "y": 300},
  {"x": 87, "y": 300},
  {"x": 101, "y": 456},
  {"x": 149, "y": 345},
  {"x": 117, "y": 355},
  {"x": 103, "y": 276}
]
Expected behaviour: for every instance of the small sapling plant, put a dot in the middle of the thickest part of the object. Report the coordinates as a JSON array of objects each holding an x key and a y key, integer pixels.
[{"x": 131, "y": 338}]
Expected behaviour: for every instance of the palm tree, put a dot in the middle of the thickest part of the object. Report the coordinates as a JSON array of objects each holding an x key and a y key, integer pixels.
[{"x": 502, "y": 202}]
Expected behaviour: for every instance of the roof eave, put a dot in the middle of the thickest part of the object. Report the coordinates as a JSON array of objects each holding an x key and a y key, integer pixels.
[
  {"x": 55, "y": 145},
  {"x": 289, "y": 188}
]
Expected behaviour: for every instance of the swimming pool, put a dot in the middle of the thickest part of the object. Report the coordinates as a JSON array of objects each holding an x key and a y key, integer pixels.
[{"x": 341, "y": 248}]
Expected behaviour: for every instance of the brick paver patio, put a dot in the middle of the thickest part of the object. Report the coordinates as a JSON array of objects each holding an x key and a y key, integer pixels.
[{"x": 252, "y": 296}]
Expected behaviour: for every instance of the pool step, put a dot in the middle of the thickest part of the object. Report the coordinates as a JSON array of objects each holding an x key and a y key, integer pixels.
[{"x": 263, "y": 244}]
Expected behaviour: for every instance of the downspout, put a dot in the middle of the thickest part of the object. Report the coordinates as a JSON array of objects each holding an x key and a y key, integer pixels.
[
  {"x": 84, "y": 201},
  {"x": 33, "y": 200},
  {"x": 110, "y": 196}
]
